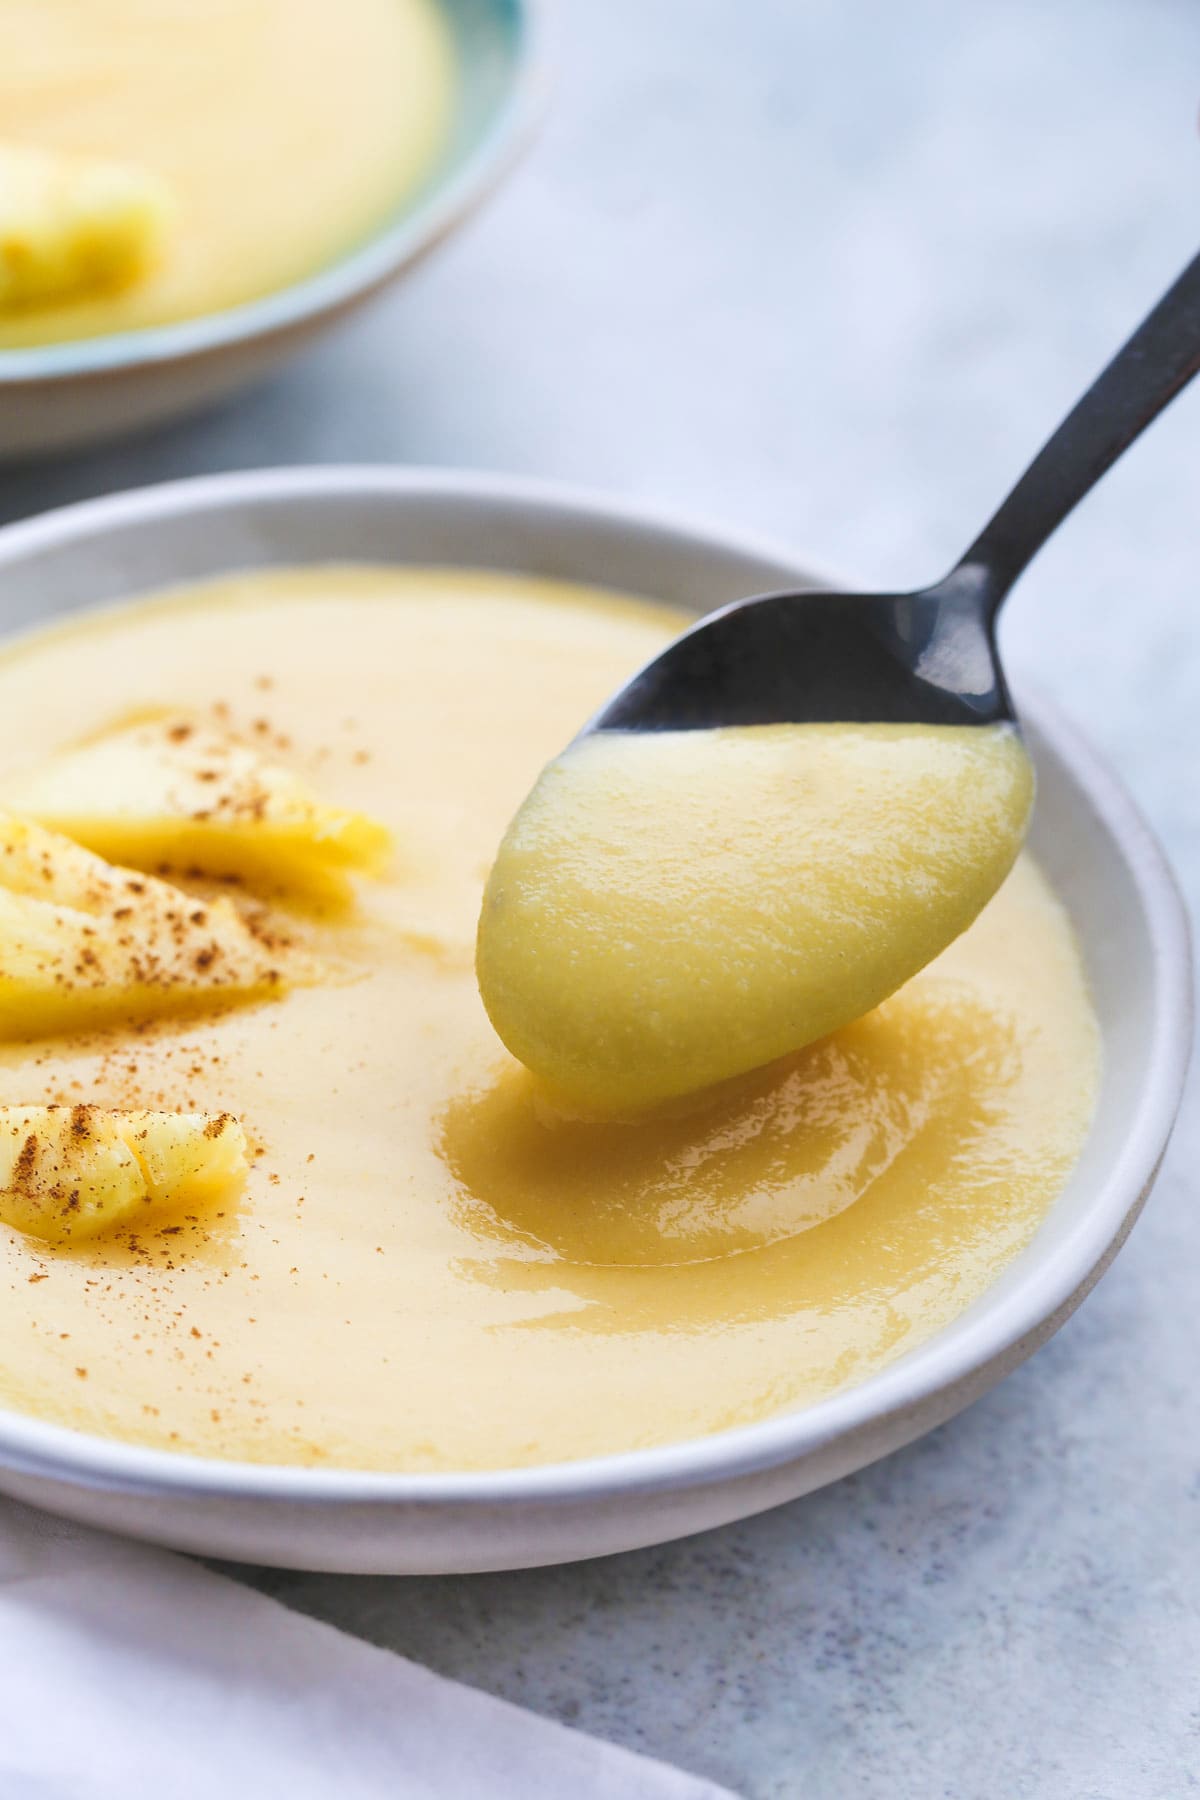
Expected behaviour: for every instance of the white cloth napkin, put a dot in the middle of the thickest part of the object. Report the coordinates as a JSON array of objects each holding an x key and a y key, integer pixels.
[{"x": 128, "y": 1673}]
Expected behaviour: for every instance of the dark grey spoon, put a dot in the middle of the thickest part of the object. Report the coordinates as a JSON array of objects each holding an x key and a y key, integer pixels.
[{"x": 927, "y": 657}]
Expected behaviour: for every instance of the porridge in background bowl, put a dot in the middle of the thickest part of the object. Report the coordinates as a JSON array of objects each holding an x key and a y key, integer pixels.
[
  {"x": 191, "y": 193},
  {"x": 277, "y": 135}
]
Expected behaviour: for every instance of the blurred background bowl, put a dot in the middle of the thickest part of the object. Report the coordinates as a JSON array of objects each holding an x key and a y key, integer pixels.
[{"x": 62, "y": 395}]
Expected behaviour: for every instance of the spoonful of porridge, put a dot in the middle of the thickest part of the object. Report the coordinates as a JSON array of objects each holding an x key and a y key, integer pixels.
[{"x": 796, "y": 806}]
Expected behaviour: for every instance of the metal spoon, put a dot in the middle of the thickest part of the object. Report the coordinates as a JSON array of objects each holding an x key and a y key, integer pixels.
[{"x": 926, "y": 657}]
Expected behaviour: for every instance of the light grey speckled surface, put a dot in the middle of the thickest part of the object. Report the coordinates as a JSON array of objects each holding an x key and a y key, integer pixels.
[{"x": 827, "y": 269}]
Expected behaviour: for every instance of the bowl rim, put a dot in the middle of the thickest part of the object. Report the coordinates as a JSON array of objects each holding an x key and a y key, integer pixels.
[
  {"x": 1050, "y": 1285},
  {"x": 352, "y": 276}
]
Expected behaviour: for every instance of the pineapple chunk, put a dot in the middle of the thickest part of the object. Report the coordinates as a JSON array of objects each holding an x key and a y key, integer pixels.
[
  {"x": 71, "y": 225},
  {"x": 84, "y": 943},
  {"x": 170, "y": 794},
  {"x": 70, "y": 1172},
  {"x": 193, "y": 1157}
]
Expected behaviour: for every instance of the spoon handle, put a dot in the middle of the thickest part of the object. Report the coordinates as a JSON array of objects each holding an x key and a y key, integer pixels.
[{"x": 1144, "y": 376}]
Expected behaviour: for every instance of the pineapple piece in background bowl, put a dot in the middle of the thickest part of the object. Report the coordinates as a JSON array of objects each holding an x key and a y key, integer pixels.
[
  {"x": 69, "y": 1173},
  {"x": 176, "y": 796},
  {"x": 71, "y": 225},
  {"x": 83, "y": 943}
]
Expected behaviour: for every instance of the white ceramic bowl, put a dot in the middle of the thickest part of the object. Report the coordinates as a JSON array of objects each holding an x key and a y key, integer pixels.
[
  {"x": 58, "y": 396},
  {"x": 1100, "y": 856}
]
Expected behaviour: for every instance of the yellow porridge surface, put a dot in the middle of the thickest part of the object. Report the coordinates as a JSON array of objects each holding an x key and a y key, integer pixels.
[
  {"x": 430, "y": 1266},
  {"x": 672, "y": 908}
]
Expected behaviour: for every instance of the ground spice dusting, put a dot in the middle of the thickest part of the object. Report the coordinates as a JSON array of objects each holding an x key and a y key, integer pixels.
[
  {"x": 25, "y": 1164},
  {"x": 158, "y": 1061}
]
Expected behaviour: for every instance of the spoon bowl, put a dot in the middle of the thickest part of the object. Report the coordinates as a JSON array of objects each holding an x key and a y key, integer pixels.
[{"x": 831, "y": 658}]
